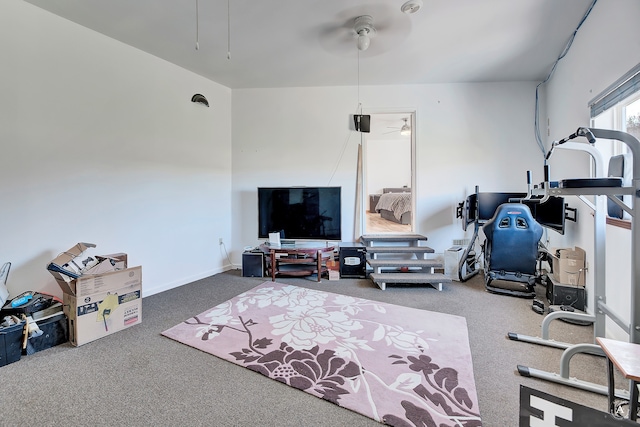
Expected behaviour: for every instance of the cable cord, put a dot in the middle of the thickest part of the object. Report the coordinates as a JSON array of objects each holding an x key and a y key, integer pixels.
[
  {"x": 197, "y": 27},
  {"x": 346, "y": 142},
  {"x": 344, "y": 148},
  {"x": 228, "y": 29},
  {"x": 359, "y": 78},
  {"x": 553, "y": 68},
  {"x": 227, "y": 254}
]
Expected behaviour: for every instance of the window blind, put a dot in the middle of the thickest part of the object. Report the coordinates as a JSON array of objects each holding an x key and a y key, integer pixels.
[{"x": 625, "y": 86}]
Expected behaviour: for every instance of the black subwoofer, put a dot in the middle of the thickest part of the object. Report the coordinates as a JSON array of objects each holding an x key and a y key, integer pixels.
[
  {"x": 353, "y": 260},
  {"x": 252, "y": 264},
  {"x": 571, "y": 295}
]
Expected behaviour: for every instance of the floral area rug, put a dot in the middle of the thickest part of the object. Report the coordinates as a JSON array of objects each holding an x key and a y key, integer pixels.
[{"x": 398, "y": 365}]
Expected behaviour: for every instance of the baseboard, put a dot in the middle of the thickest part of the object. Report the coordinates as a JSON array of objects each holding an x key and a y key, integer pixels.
[{"x": 146, "y": 292}]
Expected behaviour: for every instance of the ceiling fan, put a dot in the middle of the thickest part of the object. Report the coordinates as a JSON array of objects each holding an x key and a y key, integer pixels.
[
  {"x": 355, "y": 27},
  {"x": 404, "y": 130}
]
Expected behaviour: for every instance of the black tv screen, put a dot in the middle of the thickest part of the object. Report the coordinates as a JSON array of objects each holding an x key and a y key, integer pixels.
[
  {"x": 469, "y": 212},
  {"x": 489, "y": 202},
  {"x": 550, "y": 214},
  {"x": 310, "y": 213}
]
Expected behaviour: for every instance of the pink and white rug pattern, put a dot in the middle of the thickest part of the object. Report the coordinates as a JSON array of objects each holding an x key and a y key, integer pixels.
[{"x": 398, "y": 365}]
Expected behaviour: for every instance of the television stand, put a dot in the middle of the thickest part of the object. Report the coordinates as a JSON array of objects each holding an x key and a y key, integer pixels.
[{"x": 297, "y": 260}]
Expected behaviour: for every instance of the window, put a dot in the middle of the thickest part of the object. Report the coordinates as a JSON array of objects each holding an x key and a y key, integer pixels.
[
  {"x": 631, "y": 117},
  {"x": 624, "y": 116},
  {"x": 618, "y": 108}
]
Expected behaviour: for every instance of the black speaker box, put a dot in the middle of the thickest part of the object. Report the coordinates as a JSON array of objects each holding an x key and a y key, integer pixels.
[
  {"x": 362, "y": 122},
  {"x": 353, "y": 260},
  {"x": 566, "y": 295},
  {"x": 252, "y": 264}
]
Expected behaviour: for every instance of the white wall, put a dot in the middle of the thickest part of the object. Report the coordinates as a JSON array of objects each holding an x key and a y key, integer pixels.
[
  {"x": 388, "y": 164},
  {"x": 101, "y": 144},
  {"x": 467, "y": 135},
  {"x": 606, "y": 47}
]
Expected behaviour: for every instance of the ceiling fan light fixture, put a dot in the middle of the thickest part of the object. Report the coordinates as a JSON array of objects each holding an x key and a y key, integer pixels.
[
  {"x": 363, "y": 41},
  {"x": 363, "y": 26}
]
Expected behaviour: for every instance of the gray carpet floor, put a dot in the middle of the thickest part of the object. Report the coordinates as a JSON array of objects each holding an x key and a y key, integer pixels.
[{"x": 137, "y": 377}]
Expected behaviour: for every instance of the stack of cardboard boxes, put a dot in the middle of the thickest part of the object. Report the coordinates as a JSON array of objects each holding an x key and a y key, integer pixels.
[{"x": 101, "y": 297}]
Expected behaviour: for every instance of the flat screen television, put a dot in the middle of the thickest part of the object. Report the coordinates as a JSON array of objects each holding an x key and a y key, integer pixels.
[{"x": 306, "y": 213}]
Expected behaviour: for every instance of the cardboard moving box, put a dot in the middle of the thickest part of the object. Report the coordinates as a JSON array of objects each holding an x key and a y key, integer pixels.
[
  {"x": 333, "y": 269},
  {"x": 568, "y": 265},
  {"x": 100, "y": 299}
]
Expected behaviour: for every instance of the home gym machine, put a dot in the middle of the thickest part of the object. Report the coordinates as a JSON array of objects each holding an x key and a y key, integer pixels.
[{"x": 601, "y": 188}]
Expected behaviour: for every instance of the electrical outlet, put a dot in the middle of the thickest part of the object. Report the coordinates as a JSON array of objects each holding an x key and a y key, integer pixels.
[{"x": 220, "y": 241}]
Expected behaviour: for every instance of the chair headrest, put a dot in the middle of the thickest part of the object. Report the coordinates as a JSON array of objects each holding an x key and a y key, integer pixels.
[{"x": 513, "y": 209}]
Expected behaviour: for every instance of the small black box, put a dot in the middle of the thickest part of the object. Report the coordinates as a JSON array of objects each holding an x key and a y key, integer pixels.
[
  {"x": 11, "y": 343},
  {"x": 252, "y": 264},
  {"x": 353, "y": 260},
  {"x": 566, "y": 295}
]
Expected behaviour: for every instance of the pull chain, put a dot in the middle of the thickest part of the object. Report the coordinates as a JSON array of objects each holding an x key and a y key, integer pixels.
[
  {"x": 228, "y": 29},
  {"x": 197, "y": 27}
]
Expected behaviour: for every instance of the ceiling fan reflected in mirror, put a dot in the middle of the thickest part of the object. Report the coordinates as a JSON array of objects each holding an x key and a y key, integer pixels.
[{"x": 404, "y": 130}]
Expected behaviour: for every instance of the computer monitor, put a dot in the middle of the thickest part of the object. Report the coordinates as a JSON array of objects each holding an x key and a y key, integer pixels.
[
  {"x": 550, "y": 214},
  {"x": 489, "y": 202}
]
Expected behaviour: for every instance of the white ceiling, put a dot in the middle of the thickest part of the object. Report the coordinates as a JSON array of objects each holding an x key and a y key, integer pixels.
[{"x": 293, "y": 43}]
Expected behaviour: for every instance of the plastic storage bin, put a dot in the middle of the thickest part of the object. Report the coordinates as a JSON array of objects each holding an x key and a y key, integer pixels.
[
  {"x": 55, "y": 331},
  {"x": 11, "y": 343}
]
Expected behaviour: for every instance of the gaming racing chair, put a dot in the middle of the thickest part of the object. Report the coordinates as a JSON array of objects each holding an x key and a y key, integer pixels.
[{"x": 511, "y": 249}]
